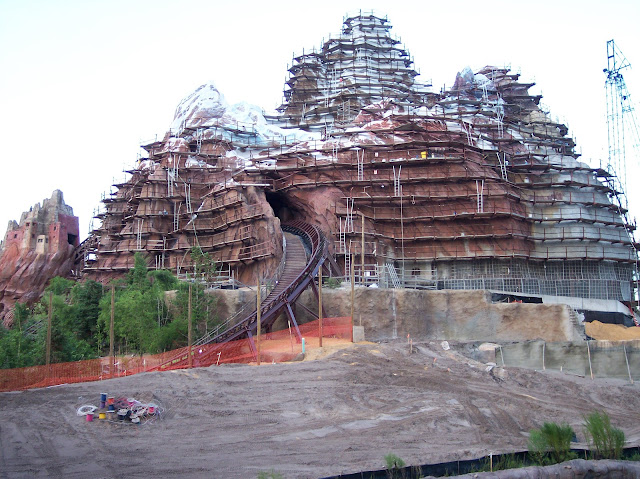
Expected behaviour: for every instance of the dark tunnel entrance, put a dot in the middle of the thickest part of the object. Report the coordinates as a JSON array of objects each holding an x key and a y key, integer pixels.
[{"x": 282, "y": 207}]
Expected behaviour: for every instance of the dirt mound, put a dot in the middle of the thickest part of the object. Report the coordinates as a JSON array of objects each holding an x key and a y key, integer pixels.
[
  {"x": 611, "y": 332},
  {"x": 339, "y": 414}
]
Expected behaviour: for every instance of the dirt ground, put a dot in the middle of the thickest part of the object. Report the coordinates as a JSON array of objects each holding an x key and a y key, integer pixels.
[{"x": 339, "y": 413}]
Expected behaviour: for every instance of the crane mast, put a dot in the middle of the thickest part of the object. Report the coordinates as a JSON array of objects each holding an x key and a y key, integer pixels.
[{"x": 622, "y": 128}]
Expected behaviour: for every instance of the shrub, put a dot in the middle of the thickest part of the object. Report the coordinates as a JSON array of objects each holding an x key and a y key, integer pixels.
[
  {"x": 394, "y": 464},
  {"x": 551, "y": 443},
  {"x": 606, "y": 441},
  {"x": 508, "y": 461},
  {"x": 333, "y": 283}
]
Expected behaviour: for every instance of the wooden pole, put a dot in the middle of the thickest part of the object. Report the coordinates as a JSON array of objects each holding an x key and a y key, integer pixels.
[
  {"x": 352, "y": 292},
  {"x": 362, "y": 252},
  {"x": 49, "y": 323},
  {"x": 112, "y": 357},
  {"x": 320, "y": 305},
  {"x": 624, "y": 348},
  {"x": 189, "y": 330},
  {"x": 258, "y": 322},
  {"x": 589, "y": 356}
]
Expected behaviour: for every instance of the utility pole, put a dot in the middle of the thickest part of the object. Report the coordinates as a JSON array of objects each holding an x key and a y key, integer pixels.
[
  {"x": 112, "y": 357},
  {"x": 362, "y": 251},
  {"x": 49, "y": 321},
  {"x": 352, "y": 292},
  {"x": 258, "y": 321},
  {"x": 189, "y": 330}
]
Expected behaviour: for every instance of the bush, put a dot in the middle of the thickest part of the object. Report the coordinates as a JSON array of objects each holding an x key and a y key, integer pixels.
[
  {"x": 508, "y": 461},
  {"x": 394, "y": 464},
  {"x": 333, "y": 283},
  {"x": 551, "y": 443},
  {"x": 606, "y": 441}
]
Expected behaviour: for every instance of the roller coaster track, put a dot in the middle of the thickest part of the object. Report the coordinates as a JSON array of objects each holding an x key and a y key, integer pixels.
[{"x": 305, "y": 253}]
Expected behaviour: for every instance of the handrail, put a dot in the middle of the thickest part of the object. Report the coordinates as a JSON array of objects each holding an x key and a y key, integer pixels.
[
  {"x": 245, "y": 307},
  {"x": 271, "y": 306}
]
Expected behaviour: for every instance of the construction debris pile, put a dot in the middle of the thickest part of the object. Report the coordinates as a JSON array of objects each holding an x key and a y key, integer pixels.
[
  {"x": 471, "y": 188},
  {"x": 121, "y": 409}
]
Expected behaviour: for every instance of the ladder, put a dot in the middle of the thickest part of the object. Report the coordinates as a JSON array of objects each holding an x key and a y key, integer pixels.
[
  {"x": 393, "y": 274},
  {"x": 502, "y": 160},
  {"x": 360, "y": 164},
  {"x": 139, "y": 235},
  {"x": 347, "y": 265},
  {"x": 480, "y": 195},
  {"x": 342, "y": 238},
  {"x": 348, "y": 225},
  {"x": 176, "y": 215},
  {"x": 397, "y": 187},
  {"x": 467, "y": 129},
  {"x": 187, "y": 196}
]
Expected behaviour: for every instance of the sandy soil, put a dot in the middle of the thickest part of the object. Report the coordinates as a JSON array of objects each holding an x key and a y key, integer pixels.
[
  {"x": 611, "y": 332},
  {"x": 338, "y": 414}
]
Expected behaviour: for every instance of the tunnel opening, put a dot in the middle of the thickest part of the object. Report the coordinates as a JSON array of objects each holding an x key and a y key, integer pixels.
[{"x": 282, "y": 207}]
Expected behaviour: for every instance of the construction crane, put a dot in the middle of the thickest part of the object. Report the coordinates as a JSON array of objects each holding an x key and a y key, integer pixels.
[
  {"x": 621, "y": 124},
  {"x": 621, "y": 120}
]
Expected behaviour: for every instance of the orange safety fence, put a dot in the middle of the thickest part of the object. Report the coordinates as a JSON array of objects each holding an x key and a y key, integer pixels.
[{"x": 279, "y": 346}]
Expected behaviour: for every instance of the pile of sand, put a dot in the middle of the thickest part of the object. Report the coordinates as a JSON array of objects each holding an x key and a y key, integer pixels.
[{"x": 611, "y": 332}]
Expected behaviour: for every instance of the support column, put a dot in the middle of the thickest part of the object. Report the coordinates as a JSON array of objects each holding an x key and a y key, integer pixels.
[
  {"x": 320, "y": 312},
  {"x": 292, "y": 318}
]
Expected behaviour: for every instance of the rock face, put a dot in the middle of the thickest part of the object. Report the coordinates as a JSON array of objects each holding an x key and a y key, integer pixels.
[
  {"x": 35, "y": 250},
  {"x": 471, "y": 188}
]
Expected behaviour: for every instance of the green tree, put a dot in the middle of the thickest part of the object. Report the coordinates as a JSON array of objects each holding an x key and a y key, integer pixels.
[
  {"x": 204, "y": 267},
  {"x": 85, "y": 297}
]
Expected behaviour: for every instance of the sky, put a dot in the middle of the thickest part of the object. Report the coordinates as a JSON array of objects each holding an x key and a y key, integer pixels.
[{"x": 84, "y": 83}]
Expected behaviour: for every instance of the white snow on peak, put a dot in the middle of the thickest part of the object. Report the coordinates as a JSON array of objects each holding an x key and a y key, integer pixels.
[
  {"x": 245, "y": 114},
  {"x": 207, "y": 107},
  {"x": 483, "y": 81},
  {"x": 204, "y": 104}
]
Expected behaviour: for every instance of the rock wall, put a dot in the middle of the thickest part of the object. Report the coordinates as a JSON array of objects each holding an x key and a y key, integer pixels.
[
  {"x": 427, "y": 315},
  {"x": 35, "y": 250}
]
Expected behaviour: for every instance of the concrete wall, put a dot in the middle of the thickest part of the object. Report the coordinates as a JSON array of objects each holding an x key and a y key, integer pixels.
[
  {"x": 607, "y": 357},
  {"x": 452, "y": 315}
]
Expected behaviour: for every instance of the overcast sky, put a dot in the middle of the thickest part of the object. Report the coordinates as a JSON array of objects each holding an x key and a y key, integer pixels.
[{"x": 83, "y": 83}]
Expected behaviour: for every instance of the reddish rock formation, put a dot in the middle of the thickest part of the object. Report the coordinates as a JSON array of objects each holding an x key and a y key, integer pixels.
[
  {"x": 37, "y": 249},
  {"x": 470, "y": 188}
]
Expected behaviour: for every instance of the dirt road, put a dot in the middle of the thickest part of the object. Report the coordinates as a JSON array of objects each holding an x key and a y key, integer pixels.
[{"x": 310, "y": 419}]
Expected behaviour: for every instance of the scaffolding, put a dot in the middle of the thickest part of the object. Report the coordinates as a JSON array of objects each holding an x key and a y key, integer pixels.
[{"x": 475, "y": 187}]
